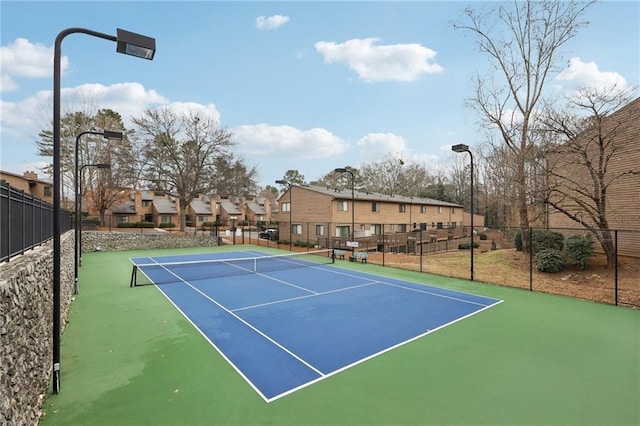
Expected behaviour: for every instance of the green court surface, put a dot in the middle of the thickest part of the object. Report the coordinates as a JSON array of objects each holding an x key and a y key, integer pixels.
[{"x": 130, "y": 358}]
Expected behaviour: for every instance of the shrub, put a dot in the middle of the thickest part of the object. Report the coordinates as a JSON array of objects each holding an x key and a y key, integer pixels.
[
  {"x": 517, "y": 241},
  {"x": 467, "y": 246},
  {"x": 482, "y": 236},
  {"x": 550, "y": 260},
  {"x": 494, "y": 246},
  {"x": 547, "y": 240},
  {"x": 167, "y": 225},
  {"x": 143, "y": 224},
  {"x": 579, "y": 249}
]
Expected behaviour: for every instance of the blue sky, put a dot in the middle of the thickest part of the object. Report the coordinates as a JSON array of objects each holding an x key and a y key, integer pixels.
[{"x": 303, "y": 85}]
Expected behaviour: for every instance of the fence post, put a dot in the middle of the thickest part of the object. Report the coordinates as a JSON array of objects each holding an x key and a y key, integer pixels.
[
  {"x": 530, "y": 259},
  {"x": 615, "y": 247}
]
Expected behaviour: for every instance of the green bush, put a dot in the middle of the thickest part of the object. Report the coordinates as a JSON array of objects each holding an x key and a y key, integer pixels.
[
  {"x": 547, "y": 240},
  {"x": 579, "y": 249},
  {"x": 467, "y": 246},
  {"x": 167, "y": 225},
  {"x": 517, "y": 241},
  {"x": 482, "y": 236},
  {"x": 550, "y": 260},
  {"x": 144, "y": 224}
]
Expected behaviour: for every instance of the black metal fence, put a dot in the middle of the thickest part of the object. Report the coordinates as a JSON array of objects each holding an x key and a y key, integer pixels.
[
  {"x": 499, "y": 255},
  {"x": 441, "y": 250},
  {"x": 25, "y": 221}
]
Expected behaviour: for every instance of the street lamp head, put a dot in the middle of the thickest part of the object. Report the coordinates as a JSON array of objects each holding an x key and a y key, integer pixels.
[
  {"x": 282, "y": 182},
  {"x": 103, "y": 165},
  {"x": 108, "y": 134},
  {"x": 460, "y": 148},
  {"x": 340, "y": 170},
  {"x": 134, "y": 44}
]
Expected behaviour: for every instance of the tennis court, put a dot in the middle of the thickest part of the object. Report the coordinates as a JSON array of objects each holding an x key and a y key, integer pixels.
[
  {"x": 287, "y": 321},
  {"x": 129, "y": 357}
]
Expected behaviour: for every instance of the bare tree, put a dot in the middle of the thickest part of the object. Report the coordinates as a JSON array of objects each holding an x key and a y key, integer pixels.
[
  {"x": 106, "y": 186},
  {"x": 522, "y": 39},
  {"x": 180, "y": 152},
  {"x": 584, "y": 168}
]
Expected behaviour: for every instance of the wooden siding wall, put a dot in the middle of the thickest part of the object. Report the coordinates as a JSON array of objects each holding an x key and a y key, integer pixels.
[{"x": 623, "y": 196}]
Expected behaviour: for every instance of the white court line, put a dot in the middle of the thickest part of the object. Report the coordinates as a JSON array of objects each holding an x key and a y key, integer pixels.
[{"x": 304, "y": 297}]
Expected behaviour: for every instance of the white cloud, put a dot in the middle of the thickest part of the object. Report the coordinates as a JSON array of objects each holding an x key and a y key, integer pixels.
[
  {"x": 288, "y": 142},
  {"x": 271, "y": 22},
  {"x": 25, "y": 59},
  {"x": 377, "y": 146},
  {"x": 587, "y": 74},
  {"x": 24, "y": 119},
  {"x": 374, "y": 63},
  {"x": 193, "y": 109}
]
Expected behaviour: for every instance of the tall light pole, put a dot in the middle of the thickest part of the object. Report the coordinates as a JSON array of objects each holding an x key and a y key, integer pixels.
[
  {"x": 284, "y": 182},
  {"x": 107, "y": 135},
  {"x": 464, "y": 148},
  {"x": 129, "y": 44},
  {"x": 353, "y": 200},
  {"x": 79, "y": 222}
]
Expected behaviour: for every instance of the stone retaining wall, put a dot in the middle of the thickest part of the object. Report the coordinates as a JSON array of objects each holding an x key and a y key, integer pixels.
[
  {"x": 26, "y": 328},
  {"x": 26, "y": 313},
  {"x": 117, "y": 241}
]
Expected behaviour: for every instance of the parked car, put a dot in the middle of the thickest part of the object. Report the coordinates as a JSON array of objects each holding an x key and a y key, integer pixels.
[{"x": 269, "y": 234}]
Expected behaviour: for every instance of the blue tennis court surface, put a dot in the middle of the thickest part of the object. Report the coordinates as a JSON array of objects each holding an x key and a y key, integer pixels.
[{"x": 285, "y": 329}]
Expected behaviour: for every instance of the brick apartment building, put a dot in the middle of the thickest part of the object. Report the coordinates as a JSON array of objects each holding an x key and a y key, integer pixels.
[{"x": 319, "y": 212}]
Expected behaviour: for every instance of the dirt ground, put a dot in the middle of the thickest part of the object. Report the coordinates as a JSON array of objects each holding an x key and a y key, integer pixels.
[{"x": 509, "y": 267}]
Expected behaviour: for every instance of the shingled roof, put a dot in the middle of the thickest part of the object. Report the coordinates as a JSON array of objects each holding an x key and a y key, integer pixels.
[{"x": 345, "y": 194}]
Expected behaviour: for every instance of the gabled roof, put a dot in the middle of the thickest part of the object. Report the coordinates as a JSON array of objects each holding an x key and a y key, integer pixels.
[
  {"x": 128, "y": 207},
  {"x": 164, "y": 206},
  {"x": 146, "y": 195},
  {"x": 229, "y": 207},
  {"x": 256, "y": 208},
  {"x": 345, "y": 194},
  {"x": 200, "y": 207}
]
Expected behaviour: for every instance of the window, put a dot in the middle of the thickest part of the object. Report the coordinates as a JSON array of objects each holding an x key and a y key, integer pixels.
[
  {"x": 402, "y": 207},
  {"x": 402, "y": 227},
  {"x": 343, "y": 206},
  {"x": 423, "y": 209},
  {"x": 375, "y": 207},
  {"x": 48, "y": 192},
  {"x": 123, "y": 219},
  {"x": 319, "y": 229},
  {"x": 342, "y": 231},
  {"x": 453, "y": 210},
  {"x": 376, "y": 229},
  {"x": 423, "y": 226},
  {"x": 166, "y": 218},
  {"x": 439, "y": 225},
  {"x": 296, "y": 229},
  {"x": 439, "y": 209},
  {"x": 203, "y": 218},
  {"x": 146, "y": 203},
  {"x": 286, "y": 207}
]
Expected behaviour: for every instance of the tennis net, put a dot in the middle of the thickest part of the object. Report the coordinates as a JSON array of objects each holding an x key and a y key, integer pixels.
[{"x": 192, "y": 270}]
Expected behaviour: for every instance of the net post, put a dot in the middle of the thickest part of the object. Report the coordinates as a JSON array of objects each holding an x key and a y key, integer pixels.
[
  {"x": 333, "y": 255},
  {"x": 134, "y": 276}
]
